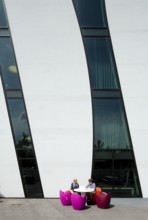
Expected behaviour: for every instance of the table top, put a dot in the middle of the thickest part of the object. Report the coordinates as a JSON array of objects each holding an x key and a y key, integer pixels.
[{"x": 84, "y": 189}]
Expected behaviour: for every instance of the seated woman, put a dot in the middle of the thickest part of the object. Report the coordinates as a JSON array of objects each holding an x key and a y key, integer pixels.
[
  {"x": 74, "y": 185},
  {"x": 90, "y": 195}
]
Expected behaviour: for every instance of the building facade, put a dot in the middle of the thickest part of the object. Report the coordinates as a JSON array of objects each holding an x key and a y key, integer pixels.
[{"x": 73, "y": 96}]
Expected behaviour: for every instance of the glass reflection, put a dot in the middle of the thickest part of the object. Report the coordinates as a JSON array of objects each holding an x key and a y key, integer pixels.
[
  {"x": 115, "y": 172},
  {"x": 110, "y": 128},
  {"x": 24, "y": 148},
  {"x": 8, "y": 64},
  {"x": 19, "y": 123},
  {"x": 25, "y": 153},
  {"x": 100, "y": 62},
  {"x": 30, "y": 178},
  {"x": 3, "y": 22},
  {"x": 102, "y": 168},
  {"x": 90, "y": 13}
]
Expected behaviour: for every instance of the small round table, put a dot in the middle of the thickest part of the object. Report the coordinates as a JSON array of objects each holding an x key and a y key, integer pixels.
[{"x": 84, "y": 189}]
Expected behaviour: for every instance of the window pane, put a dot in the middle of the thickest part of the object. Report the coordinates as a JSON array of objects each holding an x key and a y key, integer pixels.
[
  {"x": 100, "y": 62},
  {"x": 115, "y": 171},
  {"x": 19, "y": 123},
  {"x": 25, "y": 152},
  {"x": 8, "y": 64},
  {"x": 30, "y": 178},
  {"x": 3, "y": 22},
  {"x": 110, "y": 128},
  {"x": 101, "y": 170},
  {"x": 90, "y": 13},
  {"x": 125, "y": 179}
]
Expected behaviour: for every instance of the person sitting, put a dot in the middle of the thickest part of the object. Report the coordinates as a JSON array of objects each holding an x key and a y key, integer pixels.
[
  {"x": 91, "y": 184},
  {"x": 90, "y": 195},
  {"x": 74, "y": 185}
]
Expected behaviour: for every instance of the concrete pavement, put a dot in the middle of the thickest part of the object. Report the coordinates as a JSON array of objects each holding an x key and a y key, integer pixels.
[{"x": 44, "y": 209}]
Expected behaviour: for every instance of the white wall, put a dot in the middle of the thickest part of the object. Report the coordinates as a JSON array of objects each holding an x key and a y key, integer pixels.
[
  {"x": 129, "y": 32},
  {"x": 55, "y": 82},
  {"x": 10, "y": 181}
]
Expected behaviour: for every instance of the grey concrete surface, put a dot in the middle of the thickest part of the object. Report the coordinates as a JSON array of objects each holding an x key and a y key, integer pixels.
[{"x": 36, "y": 209}]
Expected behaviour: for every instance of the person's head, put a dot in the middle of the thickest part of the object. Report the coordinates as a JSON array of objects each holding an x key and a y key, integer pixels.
[
  {"x": 90, "y": 181},
  {"x": 75, "y": 180}
]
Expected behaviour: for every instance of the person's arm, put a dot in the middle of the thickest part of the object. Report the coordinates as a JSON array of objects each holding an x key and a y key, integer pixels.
[
  {"x": 94, "y": 186},
  {"x": 72, "y": 188}
]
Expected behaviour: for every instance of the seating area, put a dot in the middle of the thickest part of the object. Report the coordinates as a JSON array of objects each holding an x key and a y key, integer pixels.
[
  {"x": 65, "y": 198},
  {"x": 103, "y": 200},
  {"x": 80, "y": 202}
]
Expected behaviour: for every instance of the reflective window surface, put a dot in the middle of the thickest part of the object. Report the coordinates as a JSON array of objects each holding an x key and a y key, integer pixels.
[
  {"x": 17, "y": 113},
  {"x": 110, "y": 130},
  {"x": 100, "y": 63},
  {"x": 19, "y": 122},
  {"x": 30, "y": 177},
  {"x": 8, "y": 64},
  {"x": 3, "y": 22},
  {"x": 90, "y": 13},
  {"x": 114, "y": 168},
  {"x": 115, "y": 172},
  {"x": 25, "y": 152}
]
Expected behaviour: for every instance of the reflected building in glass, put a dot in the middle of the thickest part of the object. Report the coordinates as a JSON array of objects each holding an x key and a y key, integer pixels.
[{"x": 73, "y": 97}]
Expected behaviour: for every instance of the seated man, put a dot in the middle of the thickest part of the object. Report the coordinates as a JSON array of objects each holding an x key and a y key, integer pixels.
[{"x": 90, "y": 195}]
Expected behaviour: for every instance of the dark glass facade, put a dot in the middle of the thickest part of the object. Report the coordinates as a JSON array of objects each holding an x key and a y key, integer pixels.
[
  {"x": 100, "y": 63},
  {"x": 113, "y": 166},
  {"x": 3, "y": 19},
  {"x": 90, "y": 13},
  {"x": 17, "y": 113},
  {"x": 8, "y": 64},
  {"x": 110, "y": 127}
]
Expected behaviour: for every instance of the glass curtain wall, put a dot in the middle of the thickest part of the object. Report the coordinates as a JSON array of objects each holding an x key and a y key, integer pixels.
[
  {"x": 113, "y": 167},
  {"x": 100, "y": 63},
  {"x": 3, "y": 19},
  {"x": 17, "y": 113}
]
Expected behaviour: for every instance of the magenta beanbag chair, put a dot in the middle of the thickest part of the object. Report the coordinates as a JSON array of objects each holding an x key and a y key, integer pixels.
[
  {"x": 103, "y": 200},
  {"x": 78, "y": 201},
  {"x": 65, "y": 198}
]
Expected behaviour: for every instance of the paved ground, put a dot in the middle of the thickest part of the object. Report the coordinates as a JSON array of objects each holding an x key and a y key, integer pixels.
[{"x": 43, "y": 209}]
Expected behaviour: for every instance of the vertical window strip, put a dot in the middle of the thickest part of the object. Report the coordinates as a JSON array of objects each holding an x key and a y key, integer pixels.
[
  {"x": 17, "y": 113},
  {"x": 114, "y": 167}
]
